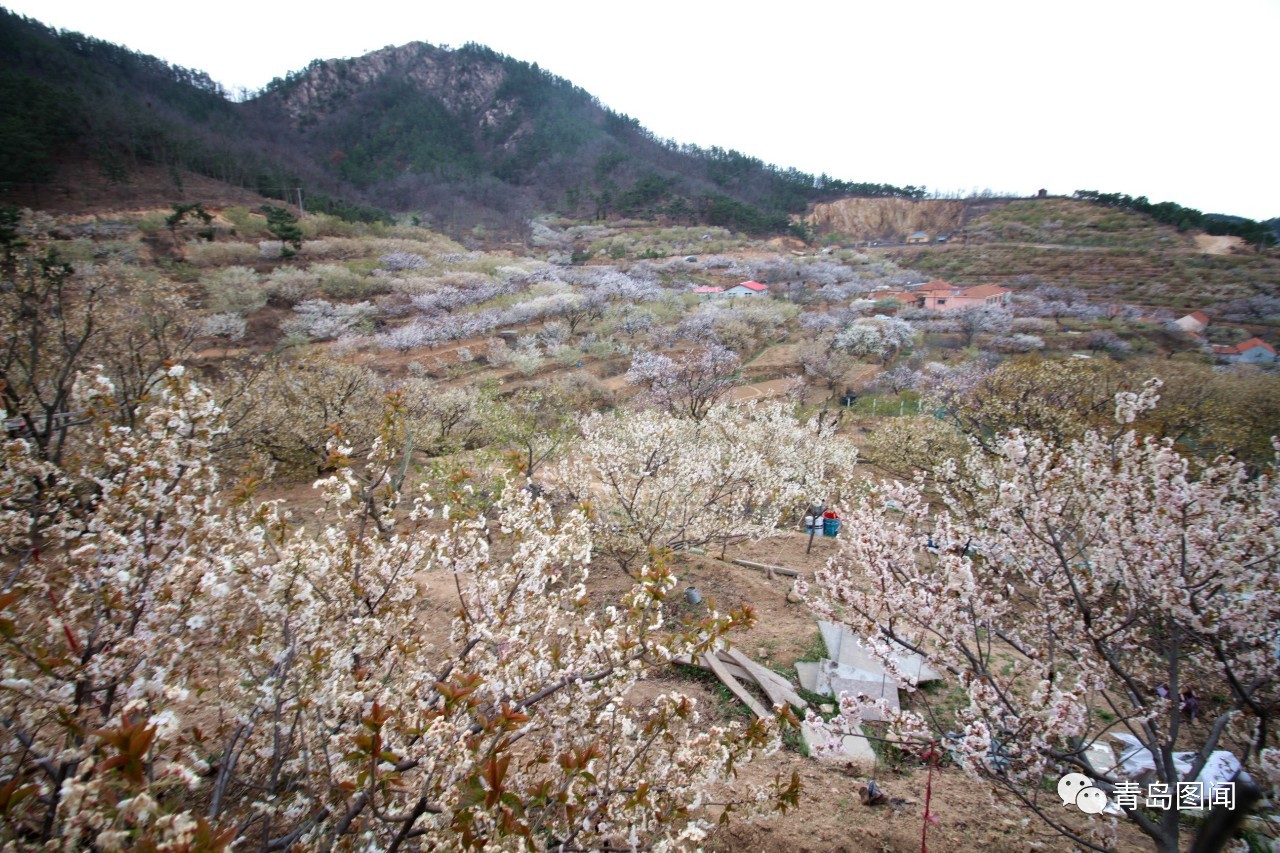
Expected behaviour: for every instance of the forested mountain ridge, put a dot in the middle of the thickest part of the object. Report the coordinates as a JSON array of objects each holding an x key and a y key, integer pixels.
[
  {"x": 71, "y": 98},
  {"x": 462, "y": 136},
  {"x": 456, "y": 137}
]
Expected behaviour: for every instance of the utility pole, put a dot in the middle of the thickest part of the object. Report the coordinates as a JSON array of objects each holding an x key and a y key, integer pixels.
[{"x": 302, "y": 211}]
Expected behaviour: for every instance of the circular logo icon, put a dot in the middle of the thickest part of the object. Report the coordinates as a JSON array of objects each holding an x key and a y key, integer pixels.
[
  {"x": 1091, "y": 800},
  {"x": 1071, "y": 785}
]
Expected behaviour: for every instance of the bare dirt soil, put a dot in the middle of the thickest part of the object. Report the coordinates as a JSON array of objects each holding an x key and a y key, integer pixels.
[
  {"x": 759, "y": 390},
  {"x": 1222, "y": 245}
]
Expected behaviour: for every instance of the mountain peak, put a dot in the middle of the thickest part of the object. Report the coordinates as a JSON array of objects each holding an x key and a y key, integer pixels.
[{"x": 460, "y": 79}]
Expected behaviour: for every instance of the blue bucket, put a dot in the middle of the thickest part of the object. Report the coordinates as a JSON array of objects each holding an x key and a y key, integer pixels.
[{"x": 830, "y": 526}]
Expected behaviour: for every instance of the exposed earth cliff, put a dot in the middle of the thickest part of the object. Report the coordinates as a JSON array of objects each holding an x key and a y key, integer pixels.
[{"x": 885, "y": 218}]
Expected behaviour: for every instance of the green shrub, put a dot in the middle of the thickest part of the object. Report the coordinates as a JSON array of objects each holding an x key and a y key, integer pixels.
[
  {"x": 601, "y": 348},
  {"x": 234, "y": 290},
  {"x": 289, "y": 285},
  {"x": 205, "y": 254},
  {"x": 318, "y": 225},
  {"x": 152, "y": 222},
  {"x": 245, "y": 223},
  {"x": 339, "y": 282}
]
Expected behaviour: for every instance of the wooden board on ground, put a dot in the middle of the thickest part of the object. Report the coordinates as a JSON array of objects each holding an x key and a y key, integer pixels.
[
  {"x": 777, "y": 688},
  {"x": 737, "y": 671},
  {"x": 735, "y": 687},
  {"x": 768, "y": 569}
]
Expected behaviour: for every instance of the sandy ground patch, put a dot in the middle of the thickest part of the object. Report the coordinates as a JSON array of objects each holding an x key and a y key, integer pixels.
[
  {"x": 759, "y": 390},
  {"x": 780, "y": 355},
  {"x": 1217, "y": 245}
]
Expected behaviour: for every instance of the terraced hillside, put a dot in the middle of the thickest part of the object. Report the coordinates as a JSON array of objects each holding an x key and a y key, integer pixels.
[
  {"x": 1065, "y": 221},
  {"x": 1125, "y": 255}
]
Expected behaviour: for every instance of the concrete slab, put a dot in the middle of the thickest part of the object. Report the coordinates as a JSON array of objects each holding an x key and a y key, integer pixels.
[
  {"x": 885, "y": 688},
  {"x": 1101, "y": 757},
  {"x": 854, "y": 654},
  {"x": 914, "y": 665},
  {"x": 807, "y": 673},
  {"x": 850, "y": 747},
  {"x": 831, "y": 636},
  {"x": 829, "y": 670}
]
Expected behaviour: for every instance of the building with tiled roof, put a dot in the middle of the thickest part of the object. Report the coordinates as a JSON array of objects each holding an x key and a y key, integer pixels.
[
  {"x": 936, "y": 284},
  {"x": 747, "y": 288},
  {"x": 940, "y": 296},
  {"x": 1196, "y": 321},
  {"x": 1252, "y": 351}
]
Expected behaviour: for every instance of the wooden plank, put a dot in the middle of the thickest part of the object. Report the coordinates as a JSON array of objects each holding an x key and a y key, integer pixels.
[
  {"x": 779, "y": 690},
  {"x": 735, "y": 687},
  {"x": 766, "y": 568},
  {"x": 766, "y": 684},
  {"x": 788, "y": 690},
  {"x": 738, "y": 672}
]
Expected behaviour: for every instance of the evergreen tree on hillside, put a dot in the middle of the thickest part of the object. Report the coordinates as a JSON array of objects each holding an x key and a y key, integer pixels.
[{"x": 283, "y": 225}]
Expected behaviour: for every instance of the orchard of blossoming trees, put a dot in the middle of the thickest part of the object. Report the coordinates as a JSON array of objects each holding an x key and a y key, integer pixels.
[
  {"x": 184, "y": 670},
  {"x": 658, "y": 483},
  {"x": 434, "y": 647},
  {"x": 1073, "y": 589}
]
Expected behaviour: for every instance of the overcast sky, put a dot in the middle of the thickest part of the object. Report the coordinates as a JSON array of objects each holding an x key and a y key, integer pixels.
[{"x": 1173, "y": 100}]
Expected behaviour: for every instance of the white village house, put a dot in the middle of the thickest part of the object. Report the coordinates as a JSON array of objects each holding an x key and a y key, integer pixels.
[
  {"x": 747, "y": 288},
  {"x": 1194, "y": 323}
]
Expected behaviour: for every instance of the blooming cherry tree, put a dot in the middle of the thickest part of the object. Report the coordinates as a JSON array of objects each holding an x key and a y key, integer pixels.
[
  {"x": 877, "y": 337},
  {"x": 688, "y": 385},
  {"x": 982, "y": 320},
  {"x": 657, "y": 482},
  {"x": 187, "y": 668},
  {"x": 1072, "y": 590}
]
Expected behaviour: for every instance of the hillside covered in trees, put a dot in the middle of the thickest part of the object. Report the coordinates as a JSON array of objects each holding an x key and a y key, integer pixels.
[
  {"x": 456, "y": 137},
  {"x": 462, "y": 137}
]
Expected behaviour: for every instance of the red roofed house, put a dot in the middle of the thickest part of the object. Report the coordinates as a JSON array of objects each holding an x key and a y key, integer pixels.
[
  {"x": 936, "y": 284},
  {"x": 1252, "y": 351},
  {"x": 747, "y": 288},
  {"x": 1195, "y": 322},
  {"x": 904, "y": 297},
  {"x": 941, "y": 296}
]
